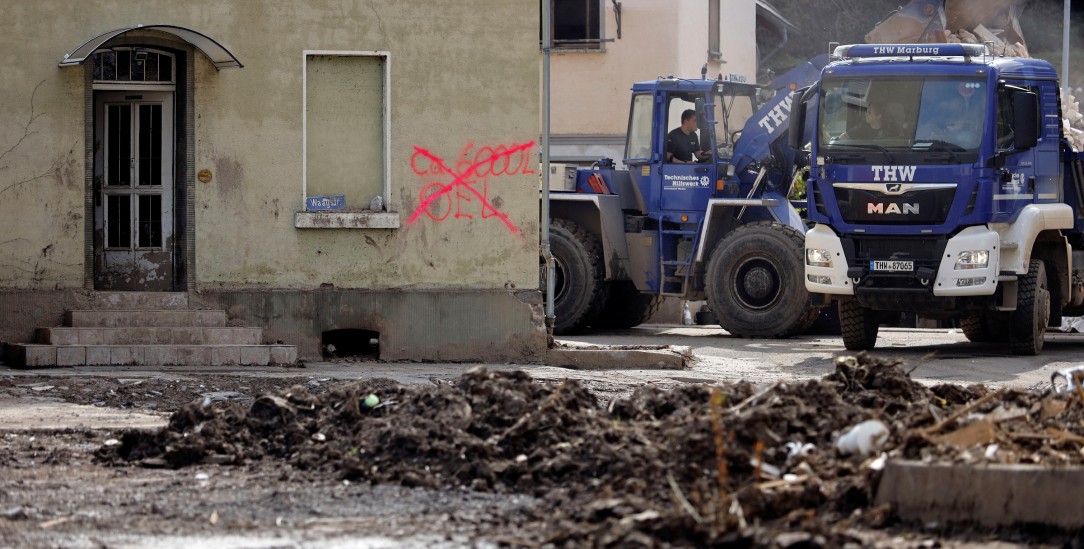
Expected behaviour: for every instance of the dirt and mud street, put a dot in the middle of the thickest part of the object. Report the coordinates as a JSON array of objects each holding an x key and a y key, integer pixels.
[{"x": 739, "y": 448}]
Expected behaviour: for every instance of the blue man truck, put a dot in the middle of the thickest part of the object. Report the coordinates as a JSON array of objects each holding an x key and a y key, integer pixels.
[
  {"x": 940, "y": 183},
  {"x": 722, "y": 230}
]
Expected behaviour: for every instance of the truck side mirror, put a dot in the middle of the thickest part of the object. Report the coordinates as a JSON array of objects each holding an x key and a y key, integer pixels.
[{"x": 1025, "y": 120}]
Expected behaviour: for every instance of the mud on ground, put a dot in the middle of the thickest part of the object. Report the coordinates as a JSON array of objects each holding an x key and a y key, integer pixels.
[{"x": 550, "y": 464}]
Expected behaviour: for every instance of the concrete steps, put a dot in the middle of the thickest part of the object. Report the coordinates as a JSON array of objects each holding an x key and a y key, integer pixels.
[{"x": 147, "y": 329}]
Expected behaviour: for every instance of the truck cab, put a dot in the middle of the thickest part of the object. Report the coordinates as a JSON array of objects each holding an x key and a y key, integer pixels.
[{"x": 937, "y": 187}]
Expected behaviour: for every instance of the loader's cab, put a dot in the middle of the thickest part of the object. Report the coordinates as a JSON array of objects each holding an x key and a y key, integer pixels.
[{"x": 669, "y": 188}]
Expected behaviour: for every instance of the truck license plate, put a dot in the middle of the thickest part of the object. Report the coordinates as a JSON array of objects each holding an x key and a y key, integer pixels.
[{"x": 897, "y": 266}]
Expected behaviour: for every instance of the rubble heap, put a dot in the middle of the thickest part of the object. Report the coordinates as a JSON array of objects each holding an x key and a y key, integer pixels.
[
  {"x": 1072, "y": 119},
  {"x": 693, "y": 466}
]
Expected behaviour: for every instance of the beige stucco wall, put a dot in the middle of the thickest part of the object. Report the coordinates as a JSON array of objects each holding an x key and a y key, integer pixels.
[
  {"x": 590, "y": 90},
  {"x": 464, "y": 78}
]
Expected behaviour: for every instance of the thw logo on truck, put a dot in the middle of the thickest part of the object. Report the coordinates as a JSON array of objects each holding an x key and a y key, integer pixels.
[{"x": 893, "y": 173}]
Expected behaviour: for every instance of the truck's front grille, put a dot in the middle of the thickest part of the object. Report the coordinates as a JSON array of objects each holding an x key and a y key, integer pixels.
[{"x": 872, "y": 205}]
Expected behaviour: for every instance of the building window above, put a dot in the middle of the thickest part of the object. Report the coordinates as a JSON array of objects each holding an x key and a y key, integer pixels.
[{"x": 577, "y": 24}]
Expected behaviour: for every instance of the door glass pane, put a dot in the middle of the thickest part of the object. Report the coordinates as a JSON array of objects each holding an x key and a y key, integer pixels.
[
  {"x": 150, "y": 221},
  {"x": 118, "y": 144},
  {"x": 165, "y": 68},
  {"x": 150, "y": 144},
  {"x": 138, "y": 64},
  {"x": 152, "y": 67},
  {"x": 124, "y": 64},
  {"x": 118, "y": 223}
]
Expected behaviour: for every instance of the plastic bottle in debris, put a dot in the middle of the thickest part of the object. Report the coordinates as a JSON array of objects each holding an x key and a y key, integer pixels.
[{"x": 686, "y": 314}]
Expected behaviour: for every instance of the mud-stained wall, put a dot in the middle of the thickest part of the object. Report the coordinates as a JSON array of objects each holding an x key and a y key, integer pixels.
[
  {"x": 445, "y": 326},
  {"x": 41, "y": 160},
  {"x": 657, "y": 39},
  {"x": 463, "y": 92}
]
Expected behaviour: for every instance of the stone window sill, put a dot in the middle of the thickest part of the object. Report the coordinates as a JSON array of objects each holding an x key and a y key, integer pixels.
[{"x": 346, "y": 220}]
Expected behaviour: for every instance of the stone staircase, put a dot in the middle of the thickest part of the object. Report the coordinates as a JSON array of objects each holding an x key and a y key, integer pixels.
[{"x": 147, "y": 329}]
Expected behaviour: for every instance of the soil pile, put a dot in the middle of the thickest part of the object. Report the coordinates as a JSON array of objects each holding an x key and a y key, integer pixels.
[{"x": 693, "y": 466}]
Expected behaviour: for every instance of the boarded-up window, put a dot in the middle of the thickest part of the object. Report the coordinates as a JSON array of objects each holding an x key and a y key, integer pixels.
[{"x": 345, "y": 129}]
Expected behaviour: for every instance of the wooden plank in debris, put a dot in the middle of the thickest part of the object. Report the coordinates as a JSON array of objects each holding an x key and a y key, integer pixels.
[{"x": 986, "y": 494}]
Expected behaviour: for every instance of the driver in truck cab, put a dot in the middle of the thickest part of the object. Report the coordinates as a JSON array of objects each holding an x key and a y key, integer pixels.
[{"x": 682, "y": 143}]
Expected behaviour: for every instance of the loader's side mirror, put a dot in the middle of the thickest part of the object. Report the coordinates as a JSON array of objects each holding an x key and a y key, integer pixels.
[
  {"x": 795, "y": 131},
  {"x": 1025, "y": 119}
]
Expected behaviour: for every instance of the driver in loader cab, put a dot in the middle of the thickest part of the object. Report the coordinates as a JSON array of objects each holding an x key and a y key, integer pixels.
[{"x": 682, "y": 144}]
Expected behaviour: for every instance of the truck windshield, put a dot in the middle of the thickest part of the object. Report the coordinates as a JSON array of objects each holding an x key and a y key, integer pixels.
[{"x": 917, "y": 120}]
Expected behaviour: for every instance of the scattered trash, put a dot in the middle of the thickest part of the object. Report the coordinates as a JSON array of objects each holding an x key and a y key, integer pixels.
[
  {"x": 370, "y": 402},
  {"x": 797, "y": 449},
  {"x": 686, "y": 314},
  {"x": 864, "y": 439},
  {"x": 1068, "y": 379}
]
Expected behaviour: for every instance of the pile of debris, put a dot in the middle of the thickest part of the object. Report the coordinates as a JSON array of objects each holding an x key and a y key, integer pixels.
[
  {"x": 693, "y": 466},
  {"x": 983, "y": 35},
  {"x": 1072, "y": 119}
]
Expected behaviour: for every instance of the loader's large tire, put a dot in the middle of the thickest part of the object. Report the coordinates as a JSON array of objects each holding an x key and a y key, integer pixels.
[
  {"x": 626, "y": 306},
  {"x": 755, "y": 282},
  {"x": 858, "y": 325},
  {"x": 579, "y": 288},
  {"x": 1032, "y": 314}
]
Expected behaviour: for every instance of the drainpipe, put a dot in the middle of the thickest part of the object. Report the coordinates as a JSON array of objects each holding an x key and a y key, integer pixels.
[{"x": 547, "y": 44}]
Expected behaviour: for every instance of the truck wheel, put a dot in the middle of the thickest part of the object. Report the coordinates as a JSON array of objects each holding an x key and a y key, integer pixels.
[
  {"x": 626, "y": 306},
  {"x": 986, "y": 327},
  {"x": 858, "y": 326},
  {"x": 1032, "y": 313},
  {"x": 754, "y": 281},
  {"x": 579, "y": 291},
  {"x": 975, "y": 328}
]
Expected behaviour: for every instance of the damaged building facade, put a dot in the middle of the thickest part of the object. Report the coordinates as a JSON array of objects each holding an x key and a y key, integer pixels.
[{"x": 328, "y": 170}]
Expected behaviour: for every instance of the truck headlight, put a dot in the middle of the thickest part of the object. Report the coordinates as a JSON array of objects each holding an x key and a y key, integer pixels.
[
  {"x": 972, "y": 259},
  {"x": 818, "y": 258}
]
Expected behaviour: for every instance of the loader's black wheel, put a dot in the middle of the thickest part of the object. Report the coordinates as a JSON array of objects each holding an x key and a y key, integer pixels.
[
  {"x": 755, "y": 284},
  {"x": 626, "y": 306},
  {"x": 579, "y": 291},
  {"x": 1032, "y": 314},
  {"x": 858, "y": 325}
]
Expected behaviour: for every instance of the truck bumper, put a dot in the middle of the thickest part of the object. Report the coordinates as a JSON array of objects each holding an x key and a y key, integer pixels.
[
  {"x": 950, "y": 281},
  {"x": 831, "y": 278}
]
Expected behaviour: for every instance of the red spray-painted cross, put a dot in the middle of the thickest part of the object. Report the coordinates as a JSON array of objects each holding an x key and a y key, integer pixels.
[{"x": 462, "y": 180}]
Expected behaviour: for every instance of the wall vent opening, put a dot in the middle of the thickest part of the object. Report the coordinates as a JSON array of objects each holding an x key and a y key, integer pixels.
[{"x": 350, "y": 343}]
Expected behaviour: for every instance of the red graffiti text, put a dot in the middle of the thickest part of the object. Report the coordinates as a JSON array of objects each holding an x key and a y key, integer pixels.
[{"x": 439, "y": 198}]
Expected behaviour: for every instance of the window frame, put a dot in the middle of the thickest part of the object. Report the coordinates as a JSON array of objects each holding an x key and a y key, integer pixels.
[
  {"x": 715, "y": 47},
  {"x": 346, "y": 220},
  {"x": 585, "y": 44}
]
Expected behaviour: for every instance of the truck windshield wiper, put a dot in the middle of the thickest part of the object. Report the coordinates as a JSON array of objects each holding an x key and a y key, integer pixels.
[{"x": 869, "y": 146}]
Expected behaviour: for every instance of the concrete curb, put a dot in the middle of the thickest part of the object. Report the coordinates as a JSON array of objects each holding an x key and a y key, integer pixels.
[
  {"x": 612, "y": 357},
  {"x": 986, "y": 494}
]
